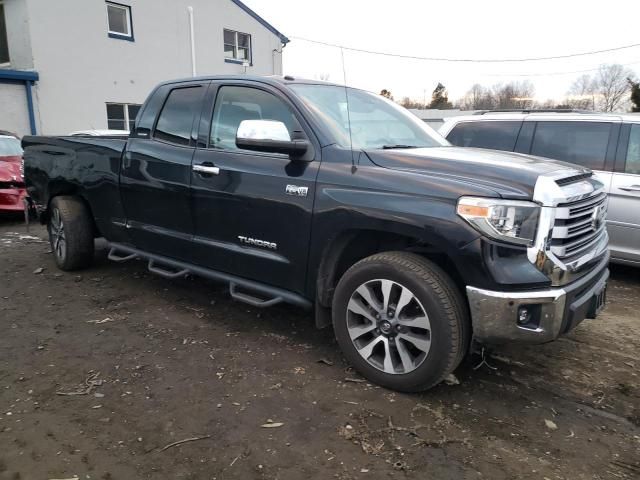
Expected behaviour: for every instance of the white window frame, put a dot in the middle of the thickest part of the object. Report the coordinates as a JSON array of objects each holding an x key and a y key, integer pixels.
[
  {"x": 236, "y": 46},
  {"x": 5, "y": 64},
  {"x": 127, "y": 10},
  {"x": 125, "y": 107}
]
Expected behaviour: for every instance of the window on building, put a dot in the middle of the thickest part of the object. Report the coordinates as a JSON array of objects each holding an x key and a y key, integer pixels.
[
  {"x": 122, "y": 116},
  {"x": 119, "y": 21},
  {"x": 584, "y": 143},
  {"x": 633, "y": 151},
  {"x": 499, "y": 135},
  {"x": 237, "y": 46},
  {"x": 4, "y": 44},
  {"x": 176, "y": 118},
  {"x": 235, "y": 104}
]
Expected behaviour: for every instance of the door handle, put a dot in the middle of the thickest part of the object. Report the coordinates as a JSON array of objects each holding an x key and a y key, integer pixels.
[
  {"x": 206, "y": 169},
  {"x": 630, "y": 188}
]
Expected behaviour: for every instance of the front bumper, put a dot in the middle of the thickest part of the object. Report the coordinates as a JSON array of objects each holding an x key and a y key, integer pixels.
[
  {"x": 12, "y": 199},
  {"x": 553, "y": 311}
]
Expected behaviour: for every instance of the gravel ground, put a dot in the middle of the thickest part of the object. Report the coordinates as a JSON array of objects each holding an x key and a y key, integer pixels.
[{"x": 102, "y": 370}]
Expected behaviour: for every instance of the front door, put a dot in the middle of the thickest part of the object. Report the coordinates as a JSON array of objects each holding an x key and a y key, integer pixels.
[
  {"x": 155, "y": 176},
  {"x": 252, "y": 211},
  {"x": 623, "y": 221}
]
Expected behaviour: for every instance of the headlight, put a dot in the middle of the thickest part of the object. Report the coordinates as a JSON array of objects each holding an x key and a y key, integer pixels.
[{"x": 511, "y": 221}]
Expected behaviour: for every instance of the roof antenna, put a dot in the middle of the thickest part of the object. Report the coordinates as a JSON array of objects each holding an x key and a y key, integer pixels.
[{"x": 346, "y": 94}]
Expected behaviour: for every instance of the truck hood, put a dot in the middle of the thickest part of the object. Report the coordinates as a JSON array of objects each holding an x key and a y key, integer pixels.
[
  {"x": 10, "y": 169},
  {"x": 510, "y": 175}
]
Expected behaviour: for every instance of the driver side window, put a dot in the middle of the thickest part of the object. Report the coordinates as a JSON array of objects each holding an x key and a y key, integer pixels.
[{"x": 235, "y": 104}]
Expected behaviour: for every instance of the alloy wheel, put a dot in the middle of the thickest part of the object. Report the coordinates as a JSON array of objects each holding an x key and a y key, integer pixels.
[
  {"x": 58, "y": 239},
  {"x": 388, "y": 326}
]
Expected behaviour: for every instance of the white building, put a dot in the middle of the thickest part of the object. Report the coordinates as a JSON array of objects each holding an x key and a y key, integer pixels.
[{"x": 69, "y": 65}]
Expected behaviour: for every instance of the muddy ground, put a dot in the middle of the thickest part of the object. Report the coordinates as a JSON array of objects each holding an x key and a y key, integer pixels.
[{"x": 101, "y": 370}]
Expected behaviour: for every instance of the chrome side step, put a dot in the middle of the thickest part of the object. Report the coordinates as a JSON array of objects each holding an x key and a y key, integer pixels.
[{"x": 161, "y": 266}]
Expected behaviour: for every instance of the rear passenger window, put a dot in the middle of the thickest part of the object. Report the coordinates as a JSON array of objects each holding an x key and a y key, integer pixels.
[
  {"x": 633, "y": 151},
  {"x": 176, "y": 118},
  {"x": 584, "y": 143},
  {"x": 499, "y": 135}
]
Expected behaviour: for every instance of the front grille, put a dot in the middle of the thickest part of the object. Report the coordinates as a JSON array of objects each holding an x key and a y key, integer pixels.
[{"x": 578, "y": 226}]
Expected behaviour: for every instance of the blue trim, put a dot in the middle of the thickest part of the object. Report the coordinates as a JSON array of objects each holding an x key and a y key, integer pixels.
[
  {"x": 117, "y": 36},
  {"x": 27, "y": 78},
  {"x": 20, "y": 75},
  {"x": 32, "y": 117},
  {"x": 236, "y": 61},
  {"x": 264, "y": 23}
]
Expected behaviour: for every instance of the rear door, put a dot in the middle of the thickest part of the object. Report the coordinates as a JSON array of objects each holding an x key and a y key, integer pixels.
[
  {"x": 155, "y": 177},
  {"x": 624, "y": 198},
  {"x": 252, "y": 217}
]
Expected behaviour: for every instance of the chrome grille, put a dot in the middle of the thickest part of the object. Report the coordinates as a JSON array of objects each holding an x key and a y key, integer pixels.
[{"x": 579, "y": 225}]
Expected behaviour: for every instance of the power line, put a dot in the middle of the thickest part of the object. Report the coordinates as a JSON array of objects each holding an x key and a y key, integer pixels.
[
  {"x": 548, "y": 74},
  {"x": 466, "y": 60}
]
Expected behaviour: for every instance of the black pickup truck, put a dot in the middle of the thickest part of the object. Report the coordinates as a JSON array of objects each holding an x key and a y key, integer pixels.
[{"x": 337, "y": 200}]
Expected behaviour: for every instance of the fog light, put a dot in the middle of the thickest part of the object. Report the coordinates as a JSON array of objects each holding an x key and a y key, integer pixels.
[
  {"x": 524, "y": 316},
  {"x": 528, "y": 316}
]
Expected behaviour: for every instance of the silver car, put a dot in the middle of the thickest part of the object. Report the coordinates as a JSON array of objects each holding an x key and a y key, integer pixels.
[{"x": 606, "y": 143}]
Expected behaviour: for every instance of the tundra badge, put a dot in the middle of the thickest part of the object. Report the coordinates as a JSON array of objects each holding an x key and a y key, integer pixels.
[
  {"x": 258, "y": 243},
  {"x": 296, "y": 190}
]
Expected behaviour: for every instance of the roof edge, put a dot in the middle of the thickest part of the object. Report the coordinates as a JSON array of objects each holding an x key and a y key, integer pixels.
[{"x": 261, "y": 20}]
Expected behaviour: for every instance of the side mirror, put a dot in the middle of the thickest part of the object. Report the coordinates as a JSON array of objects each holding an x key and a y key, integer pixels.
[{"x": 269, "y": 136}]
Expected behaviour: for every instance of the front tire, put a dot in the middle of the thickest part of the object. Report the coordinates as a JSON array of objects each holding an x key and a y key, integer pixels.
[
  {"x": 400, "y": 321},
  {"x": 70, "y": 233}
]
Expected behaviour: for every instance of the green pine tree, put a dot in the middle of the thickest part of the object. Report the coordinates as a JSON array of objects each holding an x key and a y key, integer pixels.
[
  {"x": 635, "y": 95},
  {"x": 440, "y": 98}
]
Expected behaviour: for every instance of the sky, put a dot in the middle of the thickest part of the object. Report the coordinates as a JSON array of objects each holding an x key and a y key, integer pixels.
[{"x": 488, "y": 29}]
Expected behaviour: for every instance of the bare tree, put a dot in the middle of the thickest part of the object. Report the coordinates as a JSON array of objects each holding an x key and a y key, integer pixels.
[
  {"x": 407, "y": 102},
  {"x": 582, "y": 94},
  {"x": 477, "y": 98},
  {"x": 514, "y": 95},
  {"x": 613, "y": 87}
]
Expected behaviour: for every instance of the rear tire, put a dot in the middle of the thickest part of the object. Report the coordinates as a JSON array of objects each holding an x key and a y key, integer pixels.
[
  {"x": 420, "y": 337},
  {"x": 70, "y": 229}
]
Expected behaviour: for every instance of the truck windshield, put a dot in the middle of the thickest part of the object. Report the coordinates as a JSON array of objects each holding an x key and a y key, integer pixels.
[
  {"x": 375, "y": 121},
  {"x": 9, "y": 146}
]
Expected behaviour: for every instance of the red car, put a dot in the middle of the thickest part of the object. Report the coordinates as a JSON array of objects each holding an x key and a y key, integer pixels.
[{"x": 12, "y": 188}]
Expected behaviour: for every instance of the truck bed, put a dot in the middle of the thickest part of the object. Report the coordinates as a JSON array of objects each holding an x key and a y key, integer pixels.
[{"x": 85, "y": 166}]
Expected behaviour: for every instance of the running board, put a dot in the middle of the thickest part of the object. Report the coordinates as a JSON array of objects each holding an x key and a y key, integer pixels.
[
  {"x": 166, "y": 273},
  {"x": 274, "y": 295},
  {"x": 250, "y": 299},
  {"x": 114, "y": 257}
]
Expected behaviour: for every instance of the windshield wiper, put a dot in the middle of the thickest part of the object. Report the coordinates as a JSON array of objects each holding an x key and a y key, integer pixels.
[{"x": 389, "y": 147}]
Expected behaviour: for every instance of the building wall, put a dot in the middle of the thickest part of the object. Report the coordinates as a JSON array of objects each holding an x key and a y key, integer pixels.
[
  {"x": 18, "y": 36},
  {"x": 14, "y": 116},
  {"x": 81, "y": 68}
]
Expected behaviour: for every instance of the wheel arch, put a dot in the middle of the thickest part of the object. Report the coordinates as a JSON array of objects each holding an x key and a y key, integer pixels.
[
  {"x": 67, "y": 189},
  {"x": 351, "y": 246}
]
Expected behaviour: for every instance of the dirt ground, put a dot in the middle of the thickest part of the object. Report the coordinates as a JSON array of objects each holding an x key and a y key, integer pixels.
[{"x": 102, "y": 370}]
